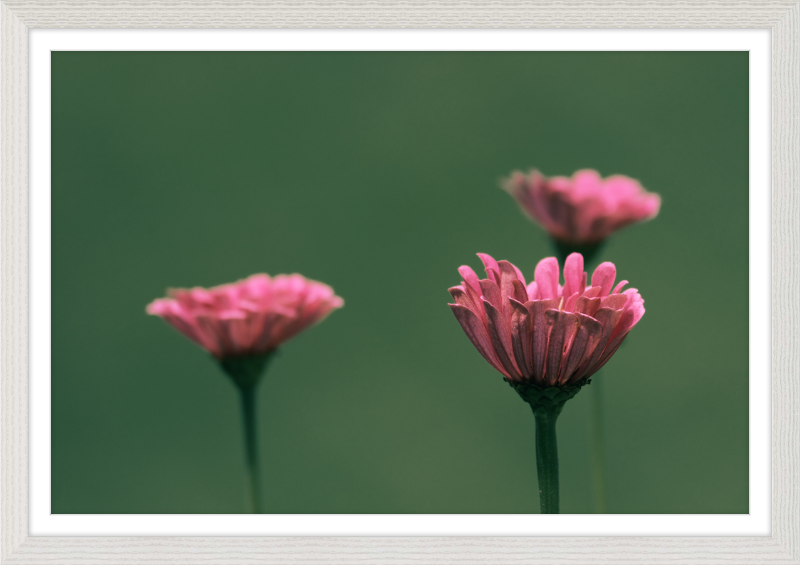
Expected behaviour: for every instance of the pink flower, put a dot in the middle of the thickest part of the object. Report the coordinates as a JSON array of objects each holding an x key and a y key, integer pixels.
[
  {"x": 249, "y": 317},
  {"x": 585, "y": 209},
  {"x": 542, "y": 333}
]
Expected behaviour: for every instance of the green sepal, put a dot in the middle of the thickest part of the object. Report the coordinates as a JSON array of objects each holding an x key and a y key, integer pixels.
[
  {"x": 246, "y": 371},
  {"x": 549, "y": 399}
]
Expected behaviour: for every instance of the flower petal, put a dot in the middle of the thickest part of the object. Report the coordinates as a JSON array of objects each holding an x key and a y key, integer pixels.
[
  {"x": 619, "y": 287},
  {"x": 589, "y": 332},
  {"x": 614, "y": 301},
  {"x": 478, "y": 335},
  {"x": 491, "y": 292},
  {"x": 471, "y": 280},
  {"x": 564, "y": 326},
  {"x": 546, "y": 275},
  {"x": 541, "y": 334},
  {"x": 592, "y": 292},
  {"x": 573, "y": 274},
  {"x": 533, "y": 291},
  {"x": 520, "y": 276},
  {"x": 462, "y": 298},
  {"x": 603, "y": 277},
  {"x": 492, "y": 270},
  {"x": 500, "y": 332},
  {"x": 508, "y": 276},
  {"x": 587, "y": 306},
  {"x": 520, "y": 292},
  {"x": 521, "y": 337},
  {"x": 608, "y": 318},
  {"x": 569, "y": 303}
]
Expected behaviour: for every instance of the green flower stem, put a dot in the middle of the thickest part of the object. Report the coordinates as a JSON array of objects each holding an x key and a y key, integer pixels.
[
  {"x": 247, "y": 395},
  {"x": 547, "y": 458},
  {"x": 598, "y": 445},
  {"x": 564, "y": 249},
  {"x": 246, "y": 372},
  {"x": 547, "y": 404}
]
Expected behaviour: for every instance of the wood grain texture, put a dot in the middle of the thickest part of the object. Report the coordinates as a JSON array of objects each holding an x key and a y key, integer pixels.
[
  {"x": 785, "y": 261},
  {"x": 408, "y": 13},
  {"x": 783, "y": 17},
  {"x": 14, "y": 282}
]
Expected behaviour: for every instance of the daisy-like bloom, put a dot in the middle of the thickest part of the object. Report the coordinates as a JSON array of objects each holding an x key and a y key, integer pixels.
[
  {"x": 585, "y": 209},
  {"x": 546, "y": 340},
  {"x": 242, "y": 324},
  {"x": 251, "y": 317},
  {"x": 543, "y": 333}
]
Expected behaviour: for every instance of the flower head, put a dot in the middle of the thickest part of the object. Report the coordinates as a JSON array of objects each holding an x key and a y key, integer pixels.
[
  {"x": 584, "y": 209},
  {"x": 247, "y": 318},
  {"x": 543, "y": 333}
]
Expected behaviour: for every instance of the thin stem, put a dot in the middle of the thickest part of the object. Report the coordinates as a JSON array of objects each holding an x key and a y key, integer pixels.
[
  {"x": 246, "y": 372},
  {"x": 598, "y": 447},
  {"x": 247, "y": 394},
  {"x": 588, "y": 250},
  {"x": 547, "y": 458}
]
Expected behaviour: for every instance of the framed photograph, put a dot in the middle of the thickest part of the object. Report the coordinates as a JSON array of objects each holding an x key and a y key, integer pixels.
[{"x": 415, "y": 282}]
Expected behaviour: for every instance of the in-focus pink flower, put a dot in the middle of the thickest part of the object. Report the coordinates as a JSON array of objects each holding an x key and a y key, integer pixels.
[
  {"x": 543, "y": 333},
  {"x": 584, "y": 209},
  {"x": 249, "y": 317}
]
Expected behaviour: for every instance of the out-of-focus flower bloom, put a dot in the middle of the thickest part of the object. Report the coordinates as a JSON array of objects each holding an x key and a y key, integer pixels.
[
  {"x": 542, "y": 333},
  {"x": 247, "y": 318},
  {"x": 584, "y": 209}
]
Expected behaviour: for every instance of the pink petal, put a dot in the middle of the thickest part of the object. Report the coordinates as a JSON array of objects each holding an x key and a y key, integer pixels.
[
  {"x": 470, "y": 279},
  {"x": 546, "y": 275},
  {"x": 478, "y": 335},
  {"x": 463, "y": 299},
  {"x": 608, "y": 318},
  {"x": 614, "y": 301},
  {"x": 533, "y": 291},
  {"x": 604, "y": 277},
  {"x": 541, "y": 333},
  {"x": 619, "y": 287},
  {"x": 589, "y": 332},
  {"x": 521, "y": 337},
  {"x": 520, "y": 276},
  {"x": 564, "y": 326},
  {"x": 491, "y": 292},
  {"x": 492, "y": 270},
  {"x": 587, "y": 306},
  {"x": 573, "y": 274},
  {"x": 569, "y": 303},
  {"x": 592, "y": 292},
  {"x": 520, "y": 292},
  {"x": 508, "y": 276},
  {"x": 609, "y": 353},
  {"x": 500, "y": 333}
]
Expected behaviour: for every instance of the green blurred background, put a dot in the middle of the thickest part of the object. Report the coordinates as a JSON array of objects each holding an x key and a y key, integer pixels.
[{"x": 377, "y": 173}]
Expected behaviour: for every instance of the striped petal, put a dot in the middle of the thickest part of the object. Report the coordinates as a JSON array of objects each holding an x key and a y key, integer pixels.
[
  {"x": 564, "y": 326},
  {"x": 500, "y": 333},
  {"x": 589, "y": 332},
  {"x": 521, "y": 337},
  {"x": 478, "y": 335}
]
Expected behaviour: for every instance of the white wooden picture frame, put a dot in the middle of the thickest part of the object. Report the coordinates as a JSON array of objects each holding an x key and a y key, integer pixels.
[{"x": 17, "y": 17}]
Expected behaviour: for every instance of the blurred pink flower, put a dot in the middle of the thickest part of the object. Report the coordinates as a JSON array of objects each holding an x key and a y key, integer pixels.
[
  {"x": 249, "y": 317},
  {"x": 543, "y": 333},
  {"x": 585, "y": 209}
]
